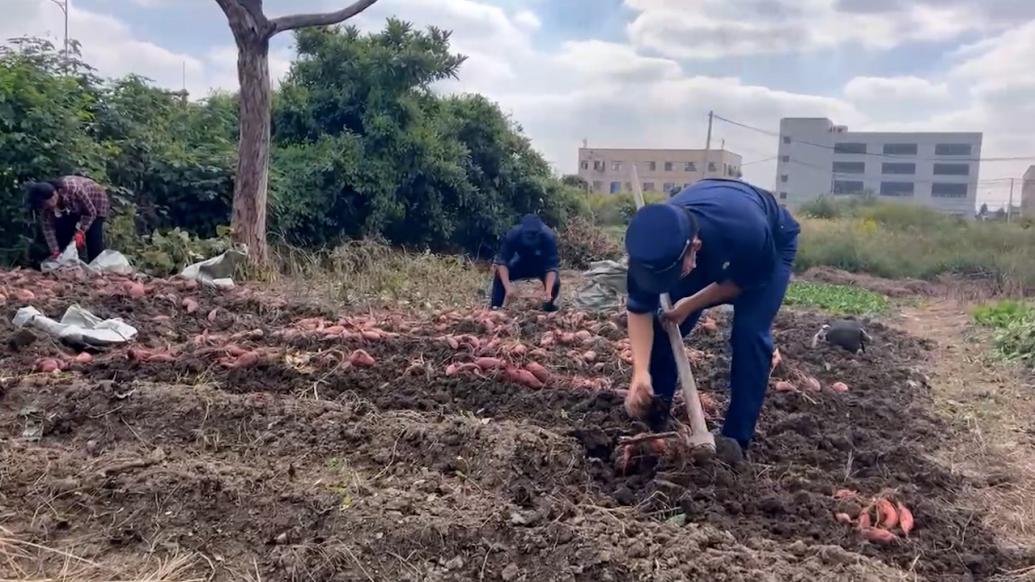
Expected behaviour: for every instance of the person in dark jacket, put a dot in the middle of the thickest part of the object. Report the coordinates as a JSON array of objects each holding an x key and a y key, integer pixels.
[
  {"x": 528, "y": 251},
  {"x": 73, "y": 208},
  {"x": 716, "y": 242}
]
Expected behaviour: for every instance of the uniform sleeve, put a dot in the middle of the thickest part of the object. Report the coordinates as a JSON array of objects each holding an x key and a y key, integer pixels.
[
  {"x": 508, "y": 248},
  {"x": 639, "y": 300},
  {"x": 551, "y": 260},
  {"x": 751, "y": 258}
]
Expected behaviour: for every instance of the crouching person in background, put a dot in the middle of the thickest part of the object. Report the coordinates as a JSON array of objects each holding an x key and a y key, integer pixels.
[
  {"x": 528, "y": 251},
  {"x": 73, "y": 208}
]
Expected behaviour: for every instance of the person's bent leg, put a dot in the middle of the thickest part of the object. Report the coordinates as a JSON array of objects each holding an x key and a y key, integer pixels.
[
  {"x": 555, "y": 291},
  {"x": 95, "y": 239},
  {"x": 752, "y": 346},
  {"x": 498, "y": 293}
]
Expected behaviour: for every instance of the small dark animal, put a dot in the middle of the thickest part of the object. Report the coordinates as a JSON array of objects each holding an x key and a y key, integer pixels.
[{"x": 845, "y": 333}]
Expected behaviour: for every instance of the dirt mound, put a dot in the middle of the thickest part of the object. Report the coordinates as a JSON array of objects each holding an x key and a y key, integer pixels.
[{"x": 246, "y": 434}]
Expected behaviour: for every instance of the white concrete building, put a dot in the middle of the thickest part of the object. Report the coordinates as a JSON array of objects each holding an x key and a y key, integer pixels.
[
  {"x": 818, "y": 158},
  {"x": 1028, "y": 192},
  {"x": 607, "y": 170}
]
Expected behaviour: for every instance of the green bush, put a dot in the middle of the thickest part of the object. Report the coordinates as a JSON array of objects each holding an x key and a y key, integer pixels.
[
  {"x": 1004, "y": 313},
  {"x": 618, "y": 209},
  {"x": 581, "y": 242}
]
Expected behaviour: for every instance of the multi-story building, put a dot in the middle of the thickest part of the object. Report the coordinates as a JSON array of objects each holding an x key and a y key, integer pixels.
[
  {"x": 608, "y": 170},
  {"x": 818, "y": 158},
  {"x": 1028, "y": 192}
]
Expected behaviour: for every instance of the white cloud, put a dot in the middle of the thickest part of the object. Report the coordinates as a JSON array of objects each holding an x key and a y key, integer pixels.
[
  {"x": 527, "y": 20},
  {"x": 712, "y": 29}
]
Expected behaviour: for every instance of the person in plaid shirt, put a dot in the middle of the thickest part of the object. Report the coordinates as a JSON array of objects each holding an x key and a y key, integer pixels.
[{"x": 74, "y": 208}]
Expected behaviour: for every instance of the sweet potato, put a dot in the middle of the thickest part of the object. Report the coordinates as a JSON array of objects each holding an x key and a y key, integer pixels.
[
  {"x": 905, "y": 519},
  {"x": 332, "y": 331},
  {"x": 372, "y": 335},
  {"x": 161, "y": 358},
  {"x": 235, "y": 350},
  {"x": 24, "y": 295},
  {"x": 161, "y": 318},
  {"x": 523, "y": 377},
  {"x": 589, "y": 356},
  {"x": 878, "y": 535},
  {"x": 518, "y": 349},
  {"x": 84, "y": 358},
  {"x": 539, "y": 371},
  {"x": 538, "y": 353},
  {"x": 135, "y": 289},
  {"x": 888, "y": 517},
  {"x": 189, "y": 305},
  {"x": 566, "y": 338},
  {"x": 785, "y": 386},
  {"x": 843, "y": 518},
  {"x": 584, "y": 336},
  {"x": 811, "y": 384},
  {"x": 864, "y": 519},
  {"x": 708, "y": 324},
  {"x": 839, "y": 387},
  {"x": 548, "y": 340},
  {"x": 486, "y": 363},
  {"x": 451, "y": 342},
  {"x": 452, "y": 369},
  {"x": 361, "y": 359},
  {"x": 48, "y": 365},
  {"x": 845, "y": 494},
  {"x": 245, "y": 360},
  {"x": 211, "y": 317}
]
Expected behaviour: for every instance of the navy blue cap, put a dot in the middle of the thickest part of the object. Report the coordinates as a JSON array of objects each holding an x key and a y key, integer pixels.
[{"x": 657, "y": 238}]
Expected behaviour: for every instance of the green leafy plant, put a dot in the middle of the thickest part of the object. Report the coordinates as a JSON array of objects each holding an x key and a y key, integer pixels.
[
  {"x": 836, "y": 299},
  {"x": 1003, "y": 314}
]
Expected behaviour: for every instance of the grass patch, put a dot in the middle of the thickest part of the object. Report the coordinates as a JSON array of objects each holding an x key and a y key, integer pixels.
[
  {"x": 836, "y": 299},
  {"x": 899, "y": 241},
  {"x": 369, "y": 274},
  {"x": 1014, "y": 325}
]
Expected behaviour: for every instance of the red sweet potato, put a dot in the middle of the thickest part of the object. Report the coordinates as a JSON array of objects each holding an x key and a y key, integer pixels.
[
  {"x": 361, "y": 359},
  {"x": 839, "y": 387},
  {"x": 905, "y": 519},
  {"x": 878, "y": 535},
  {"x": 189, "y": 305},
  {"x": 888, "y": 515},
  {"x": 540, "y": 371},
  {"x": 48, "y": 365},
  {"x": 489, "y": 363}
]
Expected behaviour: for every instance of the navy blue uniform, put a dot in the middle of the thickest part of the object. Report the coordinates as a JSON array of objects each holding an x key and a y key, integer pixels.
[
  {"x": 746, "y": 238},
  {"x": 529, "y": 251}
]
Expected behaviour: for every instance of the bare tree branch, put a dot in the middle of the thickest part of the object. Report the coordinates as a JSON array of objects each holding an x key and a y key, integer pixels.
[{"x": 302, "y": 20}]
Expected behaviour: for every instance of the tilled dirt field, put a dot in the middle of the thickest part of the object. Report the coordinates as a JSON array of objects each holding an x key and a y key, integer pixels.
[{"x": 247, "y": 436}]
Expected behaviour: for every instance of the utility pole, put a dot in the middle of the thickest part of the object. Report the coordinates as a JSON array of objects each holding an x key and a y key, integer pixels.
[
  {"x": 1009, "y": 205},
  {"x": 63, "y": 5},
  {"x": 708, "y": 144}
]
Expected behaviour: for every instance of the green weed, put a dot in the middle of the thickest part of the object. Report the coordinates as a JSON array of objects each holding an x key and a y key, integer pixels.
[{"x": 836, "y": 299}]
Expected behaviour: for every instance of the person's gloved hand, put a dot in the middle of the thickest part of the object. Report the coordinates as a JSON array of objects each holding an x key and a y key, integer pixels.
[{"x": 80, "y": 240}]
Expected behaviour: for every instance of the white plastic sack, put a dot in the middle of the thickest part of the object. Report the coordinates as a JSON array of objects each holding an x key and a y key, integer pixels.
[
  {"x": 605, "y": 287},
  {"x": 217, "y": 271},
  {"x": 108, "y": 261},
  {"x": 77, "y": 327}
]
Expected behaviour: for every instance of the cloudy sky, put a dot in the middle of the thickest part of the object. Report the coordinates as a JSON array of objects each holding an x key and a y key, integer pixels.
[{"x": 644, "y": 73}]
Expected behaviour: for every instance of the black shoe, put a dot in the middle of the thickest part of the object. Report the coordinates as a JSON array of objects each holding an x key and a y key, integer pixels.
[
  {"x": 550, "y": 306},
  {"x": 729, "y": 451}
]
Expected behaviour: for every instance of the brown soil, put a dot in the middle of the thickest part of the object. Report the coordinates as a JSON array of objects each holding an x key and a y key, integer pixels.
[{"x": 305, "y": 467}]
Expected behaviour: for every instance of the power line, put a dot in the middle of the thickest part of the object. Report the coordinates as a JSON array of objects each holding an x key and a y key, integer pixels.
[{"x": 874, "y": 154}]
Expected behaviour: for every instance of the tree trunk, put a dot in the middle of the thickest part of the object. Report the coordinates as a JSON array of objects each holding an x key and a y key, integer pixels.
[{"x": 250, "y": 191}]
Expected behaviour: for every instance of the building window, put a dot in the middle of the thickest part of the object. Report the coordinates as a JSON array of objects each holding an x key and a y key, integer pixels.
[
  {"x": 616, "y": 187},
  {"x": 689, "y": 167},
  {"x": 900, "y": 149},
  {"x": 599, "y": 165},
  {"x": 785, "y": 159},
  {"x": 648, "y": 186},
  {"x": 711, "y": 166},
  {"x": 952, "y": 149},
  {"x": 952, "y": 169},
  {"x": 585, "y": 165},
  {"x": 786, "y": 139},
  {"x": 848, "y": 187},
  {"x": 784, "y": 178},
  {"x": 668, "y": 166},
  {"x": 616, "y": 166},
  {"x": 849, "y": 148},
  {"x": 898, "y": 169},
  {"x": 849, "y": 167},
  {"x": 783, "y": 196},
  {"x": 949, "y": 190},
  {"x": 652, "y": 166},
  {"x": 896, "y": 188},
  {"x": 598, "y": 186}
]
